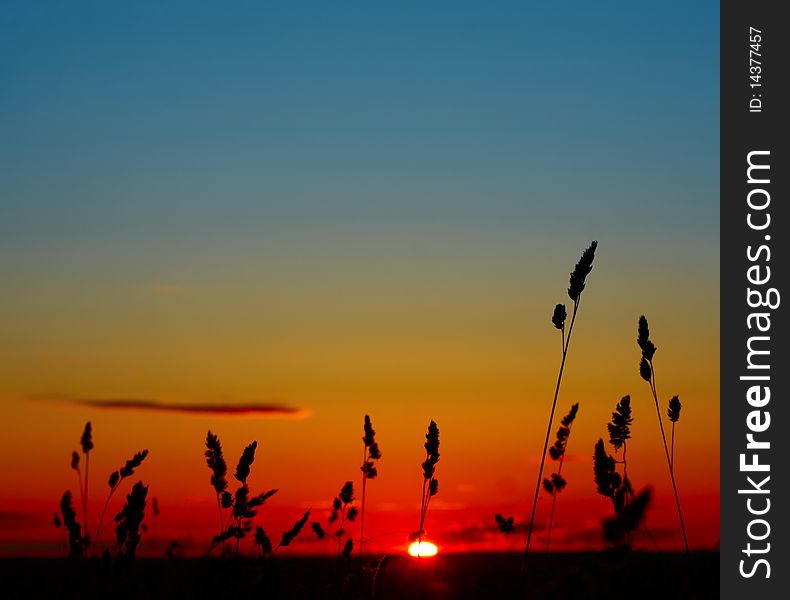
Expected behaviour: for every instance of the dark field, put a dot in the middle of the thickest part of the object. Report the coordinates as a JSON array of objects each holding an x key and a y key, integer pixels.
[{"x": 593, "y": 575}]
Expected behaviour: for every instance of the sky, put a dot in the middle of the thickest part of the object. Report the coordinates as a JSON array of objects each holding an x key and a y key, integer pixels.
[{"x": 351, "y": 209}]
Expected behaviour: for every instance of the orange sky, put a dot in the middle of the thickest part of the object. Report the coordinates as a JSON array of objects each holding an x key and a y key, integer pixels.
[{"x": 479, "y": 357}]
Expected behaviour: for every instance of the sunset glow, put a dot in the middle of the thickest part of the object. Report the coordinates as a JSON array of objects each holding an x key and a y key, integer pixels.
[
  {"x": 423, "y": 549},
  {"x": 269, "y": 222}
]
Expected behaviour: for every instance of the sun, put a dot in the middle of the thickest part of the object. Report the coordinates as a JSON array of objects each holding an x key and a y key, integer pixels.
[{"x": 423, "y": 549}]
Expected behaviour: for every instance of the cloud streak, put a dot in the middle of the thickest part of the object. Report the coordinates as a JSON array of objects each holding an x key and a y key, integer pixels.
[{"x": 257, "y": 410}]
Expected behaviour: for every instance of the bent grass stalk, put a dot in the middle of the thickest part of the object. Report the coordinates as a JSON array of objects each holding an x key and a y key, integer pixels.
[
  {"x": 575, "y": 289},
  {"x": 557, "y": 452}
]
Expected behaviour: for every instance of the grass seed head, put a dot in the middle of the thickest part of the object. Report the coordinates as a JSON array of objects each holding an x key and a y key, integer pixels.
[
  {"x": 620, "y": 427},
  {"x": 673, "y": 412},
  {"x": 505, "y": 525},
  {"x": 291, "y": 534},
  {"x": 580, "y": 272},
  {"x": 643, "y": 339},
  {"x": 432, "y": 450},
  {"x": 86, "y": 441},
  {"x": 245, "y": 461},
  {"x": 216, "y": 462},
  {"x": 559, "y": 316},
  {"x": 262, "y": 541}
]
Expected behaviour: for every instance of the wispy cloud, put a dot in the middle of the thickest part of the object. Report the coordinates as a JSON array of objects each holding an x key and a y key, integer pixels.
[{"x": 258, "y": 410}]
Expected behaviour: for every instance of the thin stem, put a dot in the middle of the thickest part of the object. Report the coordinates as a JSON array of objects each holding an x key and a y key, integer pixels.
[
  {"x": 340, "y": 535},
  {"x": 422, "y": 506},
  {"x": 81, "y": 488},
  {"x": 85, "y": 495},
  {"x": 238, "y": 539},
  {"x": 221, "y": 520},
  {"x": 553, "y": 503},
  {"x": 669, "y": 460},
  {"x": 627, "y": 484},
  {"x": 364, "y": 485},
  {"x": 672, "y": 449},
  {"x": 101, "y": 518},
  {"x": 548, "y": 432}
]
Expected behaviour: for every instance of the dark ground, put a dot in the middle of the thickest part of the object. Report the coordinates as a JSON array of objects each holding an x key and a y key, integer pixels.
[{"x": 588, "y": 575}]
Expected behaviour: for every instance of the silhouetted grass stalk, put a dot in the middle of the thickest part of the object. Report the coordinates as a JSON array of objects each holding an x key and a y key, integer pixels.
[
  {"x": 669, "y": 459},
  {"x": 575, "y": 289},
  {"x": 86, "y": 441},
  {"x": 556, "y": 483},
  {"x": 649, "y": 375},
  {"x": 370, "y": 452},
  {"x": 114, "y": 482},
  {"x": 553, "y": 504},
  {"x": 430, "y": 487}
]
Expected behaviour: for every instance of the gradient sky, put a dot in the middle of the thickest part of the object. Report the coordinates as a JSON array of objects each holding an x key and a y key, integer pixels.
[{"x": 347, "y": 209}]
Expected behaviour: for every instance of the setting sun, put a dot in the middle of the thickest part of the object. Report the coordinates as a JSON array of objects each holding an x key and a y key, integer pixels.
[{"x": 422, "y": 549}]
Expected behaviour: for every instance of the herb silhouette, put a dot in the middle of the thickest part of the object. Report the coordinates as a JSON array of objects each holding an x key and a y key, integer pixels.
[
  {"x": 264, "y": 544},
  {"x": 576, "y": 285},
  {"x": 114, "y": 482},
  {"x": 648, "y": 372},
  {"x": 556, "y": 482},
  {"x": 242, "y": 505},
  {"x": 505, "y": 525},
  {"x": 86, "y": 444},
  {"x": 370, "y": 453},
  {"x": 79, "y": 538},
  {"x": 77, "y": 542},
  {"x": 430, "y": 484},
  {"x": 129, "y": 521},
  {"x": 219, "y": 472},
  {"x": 343, "y": 511},
  {"x": 629, "y": 509}
]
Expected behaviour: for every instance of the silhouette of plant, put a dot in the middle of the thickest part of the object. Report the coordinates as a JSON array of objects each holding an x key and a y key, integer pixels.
[
  {"x": 129, "y": 521},
  {"x": 77, "y": 542},
  {"x": 86, "y": 443},
  {"x": 629, "y": 509},
  {"x": 348, "y": 548},
  {"x": 648, "y": 373},
  {"x": 59, "y": 525},
  {"x": 430, "y": 484},
  {"x": 67, "y": 508},
  {"x": 219, "y": 471},
  {"x": 114, "y": 482},
  {"x": 556, "y": 482},
  {"x": 262, "y": 541},
  {"x": 673, "y": 412},
  {"x": 576, "y": 285},
  {"x": 318, "y": 530},
  {"x": 370, "y": 453},
  {"x": 242, "y": 505},
  {"x": 505, "y": 525},
  {"x": 265, "y": 545},
  {"x": 342, "y": 510}
]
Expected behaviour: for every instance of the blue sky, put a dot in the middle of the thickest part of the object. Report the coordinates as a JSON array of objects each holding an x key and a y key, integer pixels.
[{"x": 154, "y": 117}]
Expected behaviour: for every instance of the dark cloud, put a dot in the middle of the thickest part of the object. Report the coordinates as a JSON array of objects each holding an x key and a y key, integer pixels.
[{"x": 256, "y": 409}]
